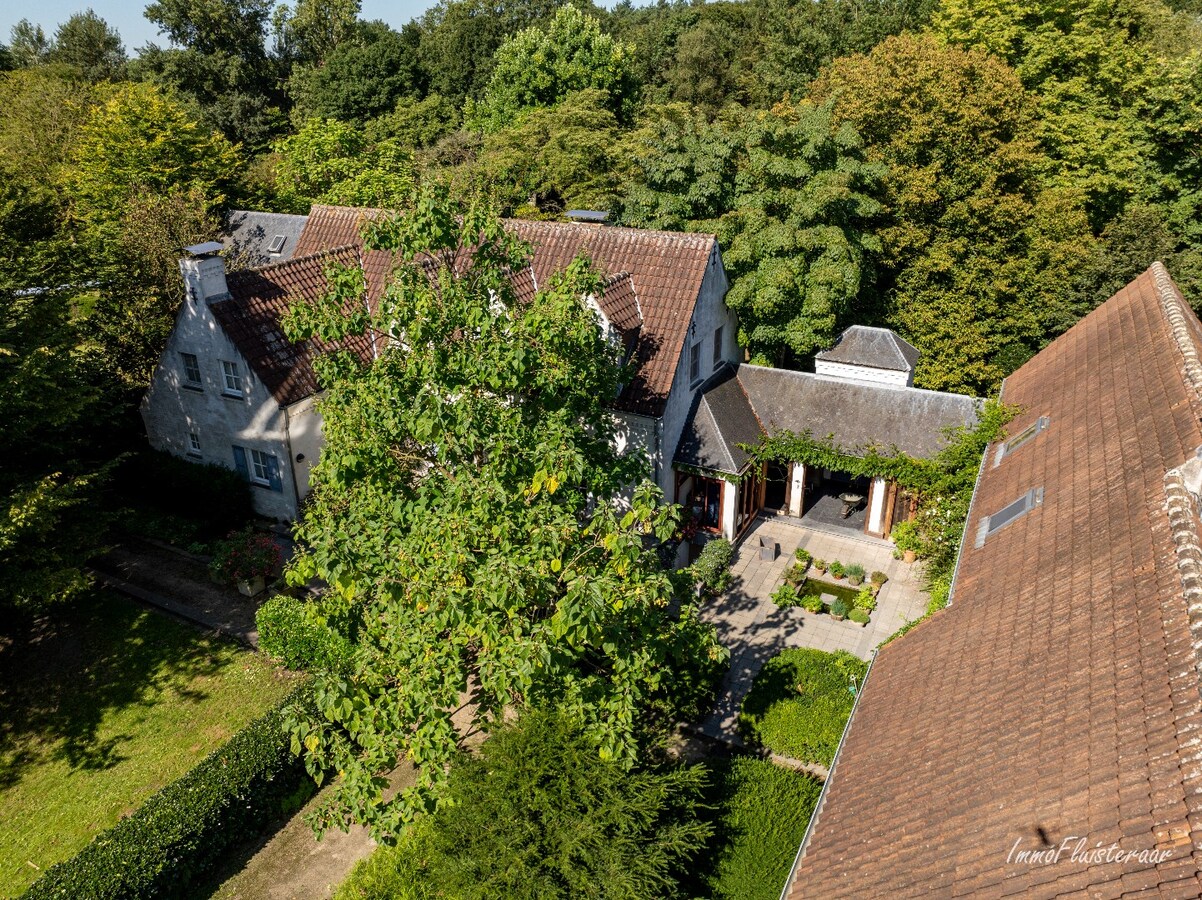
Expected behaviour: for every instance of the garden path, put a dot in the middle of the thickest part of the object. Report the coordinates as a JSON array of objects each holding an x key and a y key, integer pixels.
[{"x": 754, "y": 629}]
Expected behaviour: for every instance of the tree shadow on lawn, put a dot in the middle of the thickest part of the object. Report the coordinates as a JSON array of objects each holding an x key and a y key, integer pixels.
[{"x": 73, "y": 666}]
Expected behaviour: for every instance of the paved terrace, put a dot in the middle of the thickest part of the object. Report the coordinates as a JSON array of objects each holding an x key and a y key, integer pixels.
[{"x": 751, "y": 626}]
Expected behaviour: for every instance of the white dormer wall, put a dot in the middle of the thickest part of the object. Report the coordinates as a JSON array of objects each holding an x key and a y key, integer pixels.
[
  {"x": 863, "y": 374},
  {"x": 172, "y": 410}
]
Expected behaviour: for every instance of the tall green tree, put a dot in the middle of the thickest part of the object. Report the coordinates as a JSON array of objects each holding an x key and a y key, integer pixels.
[
  {"x": 461, "y": 516},
  {"x": 538, "y": 814},
  {"x": 539, "y": 67},
  {"x": 47, "y": 407},
  {"x": 28, "y": 45},
  {"x": 980, "y": 255},
  {"x": 567, "y": 156},
  {"x": 1093, "y": 66},
  {"x": 365, "y": 76},
  {"x": 335, "y": 162},
  {"x": 794, "y": 203},
  {"x": 88, "y": 43},
  {"x": 142, "y": 179},
  {"x": 220, "y": 61},
  {"x": 315, "y": 28},
  {"x": 459, "y": 38}
]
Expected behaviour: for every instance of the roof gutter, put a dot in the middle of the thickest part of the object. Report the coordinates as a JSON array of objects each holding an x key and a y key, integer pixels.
[
  {"x": 972, "y": 504},
  {"x": 805, "y": 840}
]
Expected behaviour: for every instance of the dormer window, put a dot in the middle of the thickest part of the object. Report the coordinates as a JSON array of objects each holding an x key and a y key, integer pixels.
[
  {"x": 233, "y": 379},
  {"x": 191, "y": 371}
]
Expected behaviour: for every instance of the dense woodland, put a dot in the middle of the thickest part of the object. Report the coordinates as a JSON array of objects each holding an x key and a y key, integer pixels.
[{"x": 975, "y": 176}]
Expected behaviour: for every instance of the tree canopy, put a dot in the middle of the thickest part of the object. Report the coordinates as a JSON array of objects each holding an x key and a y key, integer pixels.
[
  {"x": 461, "y": 515},
  {"x": 539, "y": 67}
]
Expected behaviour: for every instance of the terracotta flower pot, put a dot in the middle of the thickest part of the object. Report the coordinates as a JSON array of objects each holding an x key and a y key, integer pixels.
[{"x": 909, "y": 556}]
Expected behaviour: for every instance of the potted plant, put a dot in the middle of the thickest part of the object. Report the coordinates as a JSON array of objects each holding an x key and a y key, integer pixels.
[
  {"x": 819, "y": 566},
  {"x": 905, "y": 541},
  {"x": 855, "y": 574},
  {"x": 785, "y": 595},
  {"x": 865, "y": 599},
  {"x": 839, "y": 610},
  {"x": 812, "y": 603},
  {"x": 858, "y": 616},
  {"x": 837, "y": 569},
  {"x": 878, "y": 579},
  {"x": 247, "y": 559},
  {"x": 796, "y": 575},
  {"x": 803, "y": 558}
]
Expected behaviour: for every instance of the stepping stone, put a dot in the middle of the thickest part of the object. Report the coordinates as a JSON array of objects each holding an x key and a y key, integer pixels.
[{"x": 828, "y": 599}]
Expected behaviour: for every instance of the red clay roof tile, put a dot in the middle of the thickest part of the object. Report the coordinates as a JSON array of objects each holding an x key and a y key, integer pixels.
[
  {"x": 666, "y": 269},
  {"x": 1060, "y": 690}
]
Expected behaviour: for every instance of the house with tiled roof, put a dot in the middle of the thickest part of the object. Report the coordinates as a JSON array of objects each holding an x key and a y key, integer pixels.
[
  {"x": 230, "y": 388},
  {"x": 1042, "y": 735},
  {"x": 857, "y": 405}
]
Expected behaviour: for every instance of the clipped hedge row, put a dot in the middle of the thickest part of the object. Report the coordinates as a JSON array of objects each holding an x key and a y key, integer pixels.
[
  {"x": 183, "y": 831},
  {"x": 290, "y": 631},
  {"x": 800, "y": 702}
]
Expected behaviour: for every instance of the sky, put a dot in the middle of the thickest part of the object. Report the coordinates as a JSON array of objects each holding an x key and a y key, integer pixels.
[{"x": 126, "y": 16}]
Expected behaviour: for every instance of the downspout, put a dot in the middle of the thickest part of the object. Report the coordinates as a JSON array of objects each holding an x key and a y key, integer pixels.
[
  {"x": 291, "y": 459},
  {"x": 805, "y": 839}
]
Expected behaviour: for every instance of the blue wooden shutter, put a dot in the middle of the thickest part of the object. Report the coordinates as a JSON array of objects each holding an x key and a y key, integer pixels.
[
  {"x": 273, "y": 474},
  {"x": 240, "y": 463}
]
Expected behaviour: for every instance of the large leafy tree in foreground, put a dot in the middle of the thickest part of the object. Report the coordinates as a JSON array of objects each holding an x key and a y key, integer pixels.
[{"x": 461, "y": 517}]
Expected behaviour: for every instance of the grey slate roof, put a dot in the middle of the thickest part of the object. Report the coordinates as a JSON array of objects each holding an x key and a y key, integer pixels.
[
  {"x": 879, "y": 348},
  {"x": 248, "y": 237},
  {"x": 720, "y": 420},
  {"x": 755, "y": 400}
]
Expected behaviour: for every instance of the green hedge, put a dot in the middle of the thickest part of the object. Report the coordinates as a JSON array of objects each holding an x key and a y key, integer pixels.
[
  {"x": 217, "y": 499},
  {"x": 799, "y": 703},
  {"x": 290, "y": 631},
  {"x": 762, "y": 814},
  {"x": 183, "y": 831},
  {"x": 711, "y": 569}
]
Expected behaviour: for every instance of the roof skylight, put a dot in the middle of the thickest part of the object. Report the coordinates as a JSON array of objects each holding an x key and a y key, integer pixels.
[
  {"x": 1007, "y": 514},
  {"x": 1027, "y": 434}
]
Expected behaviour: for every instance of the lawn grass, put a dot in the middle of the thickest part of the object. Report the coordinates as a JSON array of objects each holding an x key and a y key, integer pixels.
[
  {"x": 102, "y": 705},
  {"x": 761, "y": 811},
  {"x": 800, "y": 701}
]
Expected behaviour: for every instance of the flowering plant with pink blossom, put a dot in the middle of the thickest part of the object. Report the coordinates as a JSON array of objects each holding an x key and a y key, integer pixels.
[{"x": 244, "y": 556}]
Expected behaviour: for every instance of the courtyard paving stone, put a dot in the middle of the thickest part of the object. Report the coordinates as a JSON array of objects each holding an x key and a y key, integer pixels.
[{"x": 754, "y": 629}]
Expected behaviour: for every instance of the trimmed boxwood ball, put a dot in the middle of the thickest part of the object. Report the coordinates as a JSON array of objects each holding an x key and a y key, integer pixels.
[
  {"x": 799, "y": 703},
  {"x": 290, "y": 631},
  {"x": 859, "y": 616}
]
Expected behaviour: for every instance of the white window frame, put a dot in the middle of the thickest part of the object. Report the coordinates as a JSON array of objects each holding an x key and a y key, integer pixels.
[
  {"x": 231, "y": 379},
  {"x": 258, "y": 463},
  {"x": 193, "y": 443},
  {"x": 1007, "y": 515},
  {"x": 189, "y": 381}
]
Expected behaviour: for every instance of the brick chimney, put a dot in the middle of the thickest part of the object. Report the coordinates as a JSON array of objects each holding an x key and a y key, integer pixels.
[{"x": 203, "y": 272}]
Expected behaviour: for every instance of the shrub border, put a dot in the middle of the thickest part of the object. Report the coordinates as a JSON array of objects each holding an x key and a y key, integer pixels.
[{"x": 181, "y": 832}]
